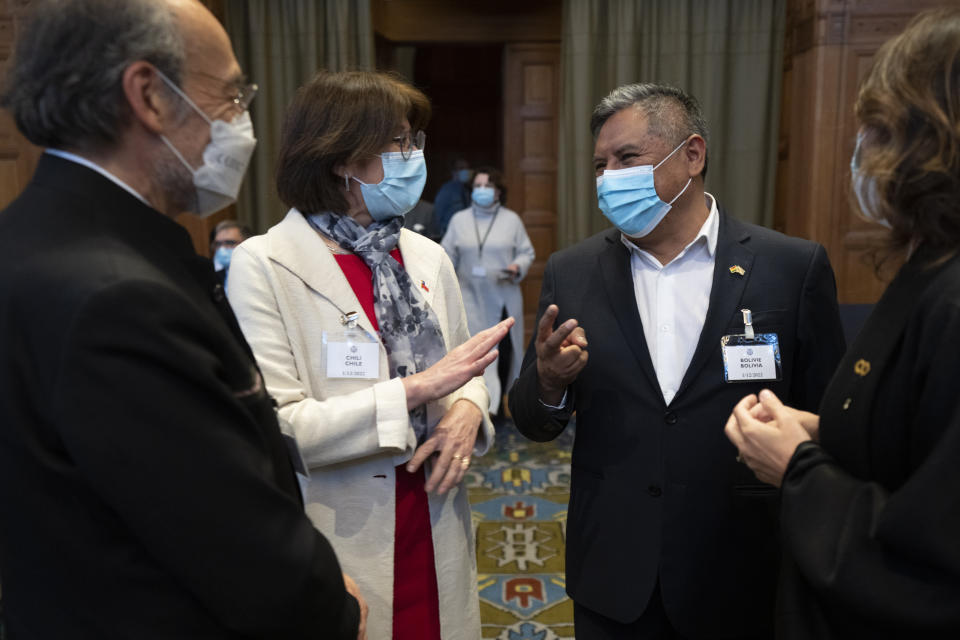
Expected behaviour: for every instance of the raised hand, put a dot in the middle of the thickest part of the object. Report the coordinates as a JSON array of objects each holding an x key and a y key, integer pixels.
[
  {"x": 457, "y": 367},
  {"x": 561, "y": 355}
]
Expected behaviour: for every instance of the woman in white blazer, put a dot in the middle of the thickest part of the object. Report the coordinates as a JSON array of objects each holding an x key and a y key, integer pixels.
[{"x": 359, "y": 329}]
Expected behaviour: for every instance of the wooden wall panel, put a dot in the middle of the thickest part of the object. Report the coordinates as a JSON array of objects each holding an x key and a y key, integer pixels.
[
  {"x": 829, "y": 48},
  {"x": 18, "y": 158},
  {"x": 531, "y": 108}
]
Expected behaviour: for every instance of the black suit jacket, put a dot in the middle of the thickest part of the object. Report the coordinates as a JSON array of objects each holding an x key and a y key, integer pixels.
[
  {"x": 871, "y": 517},
  {"x": 145, "y": 487},
  {"x": 656, "y": 491}
]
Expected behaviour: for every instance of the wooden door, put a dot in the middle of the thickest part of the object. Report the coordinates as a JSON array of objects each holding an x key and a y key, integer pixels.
[
  {"x": 18, "y": 158},
  {"x": 531, "y": 107},
  {"x": 828, "y": 50}
]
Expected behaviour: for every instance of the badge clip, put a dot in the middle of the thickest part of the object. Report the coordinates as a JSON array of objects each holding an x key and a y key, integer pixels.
[
  {"x": 349, "y": 319},
  {"x": 747, "y": 323}
]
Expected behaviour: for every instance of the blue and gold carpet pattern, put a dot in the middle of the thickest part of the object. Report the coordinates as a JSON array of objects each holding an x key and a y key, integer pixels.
[{"x": 519, "y": 493}]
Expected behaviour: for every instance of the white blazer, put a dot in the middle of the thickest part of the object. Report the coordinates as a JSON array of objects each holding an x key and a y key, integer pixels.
[{"x": 286, "y": 289}]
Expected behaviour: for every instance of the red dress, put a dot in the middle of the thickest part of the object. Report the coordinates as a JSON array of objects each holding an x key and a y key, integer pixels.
[{"x": 416, "y": 603}]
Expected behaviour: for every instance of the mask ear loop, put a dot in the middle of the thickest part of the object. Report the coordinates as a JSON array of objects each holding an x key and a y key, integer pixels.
[
  {"x": 346, "y": 182},
  {"x": 672, "y": 152}
]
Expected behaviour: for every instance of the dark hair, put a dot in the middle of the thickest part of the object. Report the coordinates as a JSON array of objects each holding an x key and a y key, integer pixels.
[
  {"x": 65, "y": 87},
  {"x": 245, "y": 231},
  {"x": 495, "y": 177},
  {"x": 909, "y": 106},
  {"x": 336, "y": 119},
  {"x": 672, "y": 114}
]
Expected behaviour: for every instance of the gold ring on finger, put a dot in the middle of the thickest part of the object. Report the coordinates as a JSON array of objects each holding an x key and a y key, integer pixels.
[
  {"x": 465, "y": 462},
  {"x": 457, "y": 456}
]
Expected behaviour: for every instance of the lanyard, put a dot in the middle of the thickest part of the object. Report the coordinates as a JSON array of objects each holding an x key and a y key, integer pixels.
[{"x": 476, "y": 227}]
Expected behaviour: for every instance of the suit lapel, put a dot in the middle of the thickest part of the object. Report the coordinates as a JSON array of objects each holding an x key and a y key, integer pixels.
[
  {"x": 296, "y": 246},
  {"x": 725, "y": 293},
  {"x": 618, "y": 281}
]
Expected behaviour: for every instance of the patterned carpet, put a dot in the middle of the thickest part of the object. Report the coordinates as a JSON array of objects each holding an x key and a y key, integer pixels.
[{"x": 519, "y": 493}]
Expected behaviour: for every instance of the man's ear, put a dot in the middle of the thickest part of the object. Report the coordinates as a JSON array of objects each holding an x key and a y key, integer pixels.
[
  {"x": 696, "y": 154},
  {"x": 148, "y": 99}
]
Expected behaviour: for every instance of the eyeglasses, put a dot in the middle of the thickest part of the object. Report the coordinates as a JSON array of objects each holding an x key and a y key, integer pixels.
[
  {"x": 245, "y": 96},
  {"x": 409, "y": 143}
]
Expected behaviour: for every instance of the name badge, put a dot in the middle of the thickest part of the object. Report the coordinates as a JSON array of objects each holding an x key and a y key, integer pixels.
[
  {"x": 351, "y": 353},
  {"x": 748, "y": 358},
  {"x": 479, "y": 271}
]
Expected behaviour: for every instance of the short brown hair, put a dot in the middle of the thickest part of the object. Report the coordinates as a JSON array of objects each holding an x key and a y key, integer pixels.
[
  {"x": 336, "y": 119},
  {"x": 909, "y": 106},
  {"x": 495, "y": 177}
]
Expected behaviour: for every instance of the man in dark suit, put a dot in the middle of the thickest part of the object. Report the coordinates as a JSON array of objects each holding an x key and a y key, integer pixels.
[
  {"x": 668, "y": 534},
  {"x": 146, "y": 490}
]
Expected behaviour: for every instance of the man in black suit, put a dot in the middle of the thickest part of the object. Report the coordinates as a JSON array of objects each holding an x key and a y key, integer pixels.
[
  {"x": 146, "y": 490},
  {"x": 668, "y": 534}
]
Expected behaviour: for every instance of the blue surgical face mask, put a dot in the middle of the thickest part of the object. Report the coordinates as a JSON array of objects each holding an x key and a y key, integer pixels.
[
  {"x": 483, "y": 196},
  {"x": 629, "y": 199},
  {"x": 463, "y": 175},
  {"x": 221, "y": 258},
  {"x": 865, "y": 188},
  {"x": 400, "y": 189}
]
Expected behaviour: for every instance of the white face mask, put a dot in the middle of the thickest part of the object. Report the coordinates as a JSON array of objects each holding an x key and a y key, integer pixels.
[
  {"x": 865, "y": 188},
  {"x": 225, "y": 158}
]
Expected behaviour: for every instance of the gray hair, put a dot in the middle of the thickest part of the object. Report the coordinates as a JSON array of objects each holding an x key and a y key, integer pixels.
[
  {"x": 65, "y": 87},
  {"x": 672, "y": 114}
]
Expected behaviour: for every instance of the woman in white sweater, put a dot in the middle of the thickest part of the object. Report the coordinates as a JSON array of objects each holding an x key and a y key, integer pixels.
[
  {"x": 359, "y": 330},
  {"x": 492, "y": 254}
]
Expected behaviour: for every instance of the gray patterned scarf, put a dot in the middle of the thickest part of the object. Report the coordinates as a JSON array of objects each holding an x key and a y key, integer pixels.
[{"x": 408, "y": 326}]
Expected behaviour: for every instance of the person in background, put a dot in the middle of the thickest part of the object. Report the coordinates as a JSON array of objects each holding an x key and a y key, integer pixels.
[
  {"x": 420, "y": 219},
  {"x": 223, "y": 240},
  {"x": 359, "y": 328},
  {"x": 452, "y": 196},
  {"x": 667, "y": 534},
  {"x": 870, "y": 486},
  {"x": 491, "y": 252},
  {"x": 146, "y": 490}
]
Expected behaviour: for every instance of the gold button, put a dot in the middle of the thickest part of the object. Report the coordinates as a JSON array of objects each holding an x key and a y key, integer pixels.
[{"x": 862, "y": 367}]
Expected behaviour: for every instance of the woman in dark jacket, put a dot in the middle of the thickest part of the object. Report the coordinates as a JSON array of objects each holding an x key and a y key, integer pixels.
[{"x": 870, "y": 488}]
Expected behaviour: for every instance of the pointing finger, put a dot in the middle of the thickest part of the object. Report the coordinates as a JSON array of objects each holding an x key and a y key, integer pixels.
[{"x": 545, "y": 326}]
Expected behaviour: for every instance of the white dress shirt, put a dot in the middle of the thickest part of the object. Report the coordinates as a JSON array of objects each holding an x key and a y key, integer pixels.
[
  {"x": 72, "y": 157},
  {"x": 673, "y": 301}
]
